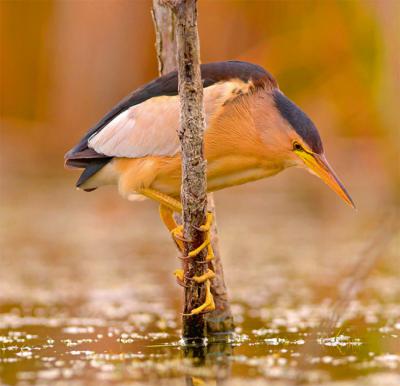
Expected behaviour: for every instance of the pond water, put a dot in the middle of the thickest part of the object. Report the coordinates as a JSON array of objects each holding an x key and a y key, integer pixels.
[{"x": 87, "y": 296}]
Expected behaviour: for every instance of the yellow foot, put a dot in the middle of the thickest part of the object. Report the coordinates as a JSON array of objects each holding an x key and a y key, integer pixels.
[
  {"x": 210, "y": 253},
  {"x": 207, "y": 226},
  {"x": 177, "y": 235},
  {"x": 207, "y": 242},
  {"x": 177, "y": 232},
  {"x": 209, "y": 275},
  {"x": 208, "y": 304},
  {"x": 179, "y": 274},
  {"x": 196, "y": 251}
]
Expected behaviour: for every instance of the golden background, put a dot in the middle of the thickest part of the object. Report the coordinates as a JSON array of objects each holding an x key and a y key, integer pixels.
[
  {"x": 288, "y": 243},
  {"x": 66, "y": 63}
]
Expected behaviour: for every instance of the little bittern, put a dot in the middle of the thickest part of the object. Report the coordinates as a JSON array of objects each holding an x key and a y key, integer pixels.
[{"x": 253, "y": 131}]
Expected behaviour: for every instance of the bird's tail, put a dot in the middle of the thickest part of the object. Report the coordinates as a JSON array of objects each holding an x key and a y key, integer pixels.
[{"x": 86, "y": 159}]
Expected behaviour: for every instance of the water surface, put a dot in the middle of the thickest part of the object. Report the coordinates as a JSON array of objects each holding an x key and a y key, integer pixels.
[{"x": 87, "y": 296}]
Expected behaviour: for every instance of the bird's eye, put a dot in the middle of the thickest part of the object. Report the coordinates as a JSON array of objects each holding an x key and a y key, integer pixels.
[{"x": 297, "y": 146}]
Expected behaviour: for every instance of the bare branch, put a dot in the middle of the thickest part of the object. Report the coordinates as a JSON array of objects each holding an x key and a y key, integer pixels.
[
  {"x": 194, "y": 181},
  {"x": 220, "y": 320},
  {"x": 164, "y": 25}
]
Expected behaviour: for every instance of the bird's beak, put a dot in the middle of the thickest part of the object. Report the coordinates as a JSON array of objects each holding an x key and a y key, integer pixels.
[{"x": 318, "y": 165}]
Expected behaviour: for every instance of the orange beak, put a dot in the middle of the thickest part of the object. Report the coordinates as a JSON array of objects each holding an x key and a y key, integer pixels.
[{"x": 318, "y": 165}]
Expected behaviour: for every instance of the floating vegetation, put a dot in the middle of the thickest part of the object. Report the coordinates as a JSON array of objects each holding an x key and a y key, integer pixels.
[
  {"x": 115, "y": 352},
  {"x": 340, "y": 340}
]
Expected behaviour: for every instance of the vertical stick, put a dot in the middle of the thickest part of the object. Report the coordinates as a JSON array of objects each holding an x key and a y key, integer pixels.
[
  {"x": 220, "y": 320},
  {"x": 194, "y": 181},
  {"x": 164, "y": 25}
]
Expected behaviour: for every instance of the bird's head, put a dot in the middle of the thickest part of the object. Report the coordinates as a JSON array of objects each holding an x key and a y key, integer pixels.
[{"x": 294, "y": 139}]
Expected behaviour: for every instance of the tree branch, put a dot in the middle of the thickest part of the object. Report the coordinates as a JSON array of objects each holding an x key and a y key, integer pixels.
[
  {"x": 220, "y": 320},
  {"x": 194, "y": 181},
  {"x": 164, "y": 25}
]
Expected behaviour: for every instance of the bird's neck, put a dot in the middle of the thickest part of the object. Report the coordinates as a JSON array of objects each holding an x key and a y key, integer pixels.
[
  {"x": 234, "y": 149},
  {"x": 233, "y": 132}
]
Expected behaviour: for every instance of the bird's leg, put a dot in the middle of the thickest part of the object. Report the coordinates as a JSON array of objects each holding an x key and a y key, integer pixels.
[
  {"x": 169, "y": 205},
  {"x": 167, "y": 216},
  {"x": 163, "y": 199}
]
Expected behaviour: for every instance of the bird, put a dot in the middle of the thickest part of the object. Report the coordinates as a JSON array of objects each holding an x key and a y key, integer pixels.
[{"x": 253, "y": 131}]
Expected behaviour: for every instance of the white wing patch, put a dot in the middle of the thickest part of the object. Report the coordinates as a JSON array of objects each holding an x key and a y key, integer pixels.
[{"x": 150, "y": 128}]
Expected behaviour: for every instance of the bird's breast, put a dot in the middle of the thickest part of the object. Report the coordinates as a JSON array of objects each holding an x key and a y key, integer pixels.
[
  {"x": 236, "y": 170},
  {"x": 222, "y": 172}
]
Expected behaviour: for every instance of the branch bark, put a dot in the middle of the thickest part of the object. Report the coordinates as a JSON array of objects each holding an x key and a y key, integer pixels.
[
  {"x": 194, "y": 167},
  {"x": 164, "y": 26},
  {"x": 220, "y": 320}
]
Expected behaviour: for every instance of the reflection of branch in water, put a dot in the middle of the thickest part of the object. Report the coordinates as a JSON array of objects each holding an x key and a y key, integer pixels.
[
  {"x": 351, "y": 286},
  {"x": 214, "y": 358}
]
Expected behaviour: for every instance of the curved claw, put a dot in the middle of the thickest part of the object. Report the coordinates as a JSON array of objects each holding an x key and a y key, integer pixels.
[
  {"x": 196, "y": 251},
  {"x": 179, "y": 274},
  {"x": 177, "y": 231},
  {"x": 182, "y": 284},
  {"x": 180, "y": 277},
  {"x": 209, "y": 275},
  {"x": 207, "y": 226},
  {"x": 207, "y": 306},
  {"x": 181, "y": 238}
]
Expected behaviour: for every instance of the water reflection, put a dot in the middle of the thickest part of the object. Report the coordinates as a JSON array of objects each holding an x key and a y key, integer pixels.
[{"x": 47, "y": 348}]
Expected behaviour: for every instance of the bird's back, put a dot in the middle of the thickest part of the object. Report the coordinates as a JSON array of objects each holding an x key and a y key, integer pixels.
[{"x": 145, "y": 122}]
